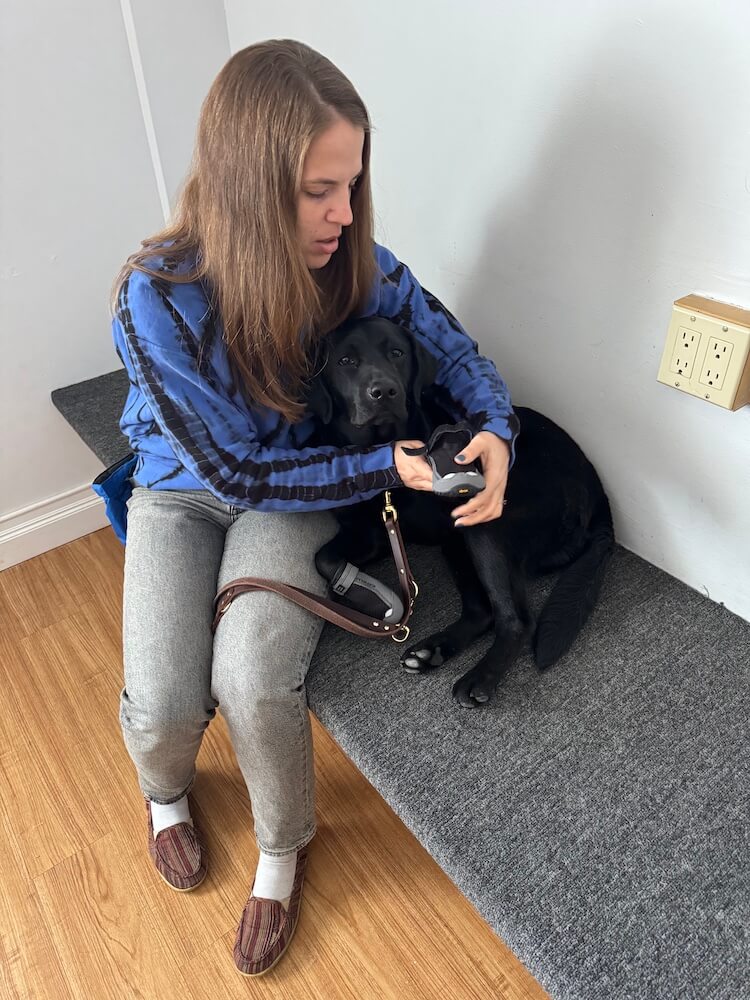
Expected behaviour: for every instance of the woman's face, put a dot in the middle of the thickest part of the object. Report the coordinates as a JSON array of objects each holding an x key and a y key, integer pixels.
[{"x": 331, "y": 169}]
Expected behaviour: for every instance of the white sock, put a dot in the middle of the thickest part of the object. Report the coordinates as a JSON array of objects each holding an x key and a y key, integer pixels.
[
  {"x": 274, "y": 877},
  {"x": 175, "y": 812}
]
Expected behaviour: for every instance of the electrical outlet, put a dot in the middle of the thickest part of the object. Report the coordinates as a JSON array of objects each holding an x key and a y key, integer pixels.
[
  {"x": 707, "y": 351},
  {"x": 685, "y": 352},
  {"x": 716, "y": 365}
]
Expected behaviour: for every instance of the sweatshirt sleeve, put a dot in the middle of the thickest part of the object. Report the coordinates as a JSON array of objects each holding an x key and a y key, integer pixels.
[
  {"x": 210, "y": 429},
  {"x": 478, "y": 393}
]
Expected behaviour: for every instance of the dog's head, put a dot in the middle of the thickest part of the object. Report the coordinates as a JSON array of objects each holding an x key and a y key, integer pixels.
[{"x": 370, "y": 385}]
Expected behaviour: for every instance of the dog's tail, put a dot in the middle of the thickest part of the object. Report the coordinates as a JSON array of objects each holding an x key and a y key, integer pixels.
[{"x": 574, "y": 595}]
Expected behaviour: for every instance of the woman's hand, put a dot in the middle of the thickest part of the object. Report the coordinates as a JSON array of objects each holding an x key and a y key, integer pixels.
[
  {"x": 415, "y": 471},
  {"x": 494, "y": 454}
]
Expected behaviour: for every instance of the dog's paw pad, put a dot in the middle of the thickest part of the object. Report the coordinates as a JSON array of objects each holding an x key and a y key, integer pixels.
[
  {"x": 471, "y": 692},
  {"x": 422, "y": 658}
]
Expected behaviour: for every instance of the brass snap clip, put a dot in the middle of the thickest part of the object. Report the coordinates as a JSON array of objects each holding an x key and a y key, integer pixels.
[{"x": 388, "y": 507}]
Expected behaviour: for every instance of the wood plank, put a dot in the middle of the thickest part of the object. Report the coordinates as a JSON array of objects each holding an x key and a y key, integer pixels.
[
  {"x": 28, "y": 966},
  {"x": 42, "y": 591},
  {"x": 110, "y": 945},
  {"x": 50, "y": 779}
]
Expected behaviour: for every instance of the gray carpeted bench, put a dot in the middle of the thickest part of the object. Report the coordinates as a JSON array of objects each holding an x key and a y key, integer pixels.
[{"x": 595, "y": 815}]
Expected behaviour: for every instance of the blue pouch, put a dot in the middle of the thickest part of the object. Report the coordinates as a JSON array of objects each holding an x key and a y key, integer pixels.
[{"x": 114, "y": 487}]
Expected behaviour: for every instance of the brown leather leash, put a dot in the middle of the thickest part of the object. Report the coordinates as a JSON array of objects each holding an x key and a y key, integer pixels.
[{"x": 338, "y": 614}]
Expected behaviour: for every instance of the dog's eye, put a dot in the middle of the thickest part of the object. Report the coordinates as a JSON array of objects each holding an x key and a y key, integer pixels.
[
  {"x": 396, "y": 352},
  {"x": 346, "y": 360}
]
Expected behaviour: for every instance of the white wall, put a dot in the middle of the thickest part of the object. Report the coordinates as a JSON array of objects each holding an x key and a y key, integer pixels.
[
  {"x": 182, "y": 46},
  {"x": 78, "y": 191},
  {"x": 560, "y": 173}
]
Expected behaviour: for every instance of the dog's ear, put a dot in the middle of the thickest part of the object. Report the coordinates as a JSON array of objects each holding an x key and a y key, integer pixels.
[
  {"x": 319, "y": 400},
  {"x": 317, "y": 396},
  {"x": 424, "y": 369}
]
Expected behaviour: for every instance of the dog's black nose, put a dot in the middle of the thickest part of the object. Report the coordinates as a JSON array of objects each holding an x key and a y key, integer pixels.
[{"x": 382, "y": 390}]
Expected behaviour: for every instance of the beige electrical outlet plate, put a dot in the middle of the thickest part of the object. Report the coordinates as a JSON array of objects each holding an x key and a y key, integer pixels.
[{"x": 707, "y": 352}]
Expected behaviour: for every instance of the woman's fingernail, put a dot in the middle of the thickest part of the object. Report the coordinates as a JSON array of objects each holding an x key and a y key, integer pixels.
[{"x": 460, "y": 458}]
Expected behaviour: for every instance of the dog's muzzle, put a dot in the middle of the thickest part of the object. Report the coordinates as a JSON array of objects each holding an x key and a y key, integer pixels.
[{"x": 379, "y": 403}]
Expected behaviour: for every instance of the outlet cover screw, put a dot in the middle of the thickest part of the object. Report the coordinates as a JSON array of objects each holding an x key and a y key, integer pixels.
[
  {"x": 725, "y": 328},
  {"x": 692, "y": 319}
]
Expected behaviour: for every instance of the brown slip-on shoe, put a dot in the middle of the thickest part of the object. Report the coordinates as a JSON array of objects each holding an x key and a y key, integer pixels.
[
  {"x": 266, "y": 928},
  {"x": 177, "y": 854}
]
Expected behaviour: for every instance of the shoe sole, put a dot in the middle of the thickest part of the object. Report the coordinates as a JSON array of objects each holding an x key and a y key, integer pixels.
[
  {"x": 177, "y": 888},
  {"x": 255, "y": 975}
]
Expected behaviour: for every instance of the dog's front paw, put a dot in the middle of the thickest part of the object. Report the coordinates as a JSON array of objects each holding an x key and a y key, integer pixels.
[
  {"x": 475, "y": 688},
  {"x": 428, "y": 654}
]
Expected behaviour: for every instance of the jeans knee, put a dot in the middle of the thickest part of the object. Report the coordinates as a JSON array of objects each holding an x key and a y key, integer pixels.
[
  {"x": 257, "y": 694},
  {"x": 164, "y": 720}
]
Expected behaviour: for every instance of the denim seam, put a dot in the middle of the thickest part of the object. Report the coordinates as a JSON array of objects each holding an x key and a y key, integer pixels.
[
  {"x": 308, "y": 770},
  {"x": 167, "y": 802},
  {"x": 303, "y": 842}
]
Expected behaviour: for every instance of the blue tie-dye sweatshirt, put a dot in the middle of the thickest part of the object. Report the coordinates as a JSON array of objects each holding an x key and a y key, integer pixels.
[{"x": 191, "y": 429}]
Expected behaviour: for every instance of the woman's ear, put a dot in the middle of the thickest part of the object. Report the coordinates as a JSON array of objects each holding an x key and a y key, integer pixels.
[{"x": 424, "y": 369}]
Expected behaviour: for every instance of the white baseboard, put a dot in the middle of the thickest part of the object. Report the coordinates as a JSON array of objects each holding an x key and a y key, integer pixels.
[{"x": 32, "y": 530}]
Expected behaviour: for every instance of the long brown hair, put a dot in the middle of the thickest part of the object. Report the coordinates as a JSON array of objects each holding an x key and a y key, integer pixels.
[{"x": 236, "y": 217}]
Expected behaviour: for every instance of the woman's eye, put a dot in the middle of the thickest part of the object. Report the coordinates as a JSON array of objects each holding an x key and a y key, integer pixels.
[
  {"x": 317, "y": 196},
  {"x": 396, "y": 352}
]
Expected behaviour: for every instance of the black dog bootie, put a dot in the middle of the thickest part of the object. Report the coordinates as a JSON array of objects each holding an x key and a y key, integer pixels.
[{"x": 448, "y": 479}]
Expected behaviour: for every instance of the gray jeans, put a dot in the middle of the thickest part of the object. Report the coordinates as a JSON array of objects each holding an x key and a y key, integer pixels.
[{"x": 181, "y": 547}]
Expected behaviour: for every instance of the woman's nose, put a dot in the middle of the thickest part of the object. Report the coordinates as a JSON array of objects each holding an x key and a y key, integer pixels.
[{"x": 341, "y": 212}]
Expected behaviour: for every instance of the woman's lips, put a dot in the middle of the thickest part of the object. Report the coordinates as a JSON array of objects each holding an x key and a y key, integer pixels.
[{"x": 328, "y": 246}]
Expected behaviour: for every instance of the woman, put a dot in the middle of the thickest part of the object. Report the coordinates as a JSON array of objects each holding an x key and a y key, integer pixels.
[{"x": 215, "y": 320}]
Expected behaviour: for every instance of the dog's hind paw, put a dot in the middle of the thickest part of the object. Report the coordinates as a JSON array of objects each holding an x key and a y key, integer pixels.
[{"x": 474, "y": 689}]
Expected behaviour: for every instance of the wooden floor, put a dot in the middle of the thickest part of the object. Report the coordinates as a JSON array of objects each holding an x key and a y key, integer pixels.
[{"x": 82, "y": 912}]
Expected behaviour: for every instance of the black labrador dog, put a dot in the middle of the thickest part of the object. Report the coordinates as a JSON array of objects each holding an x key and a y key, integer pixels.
[{"x": 376, "y": 385}]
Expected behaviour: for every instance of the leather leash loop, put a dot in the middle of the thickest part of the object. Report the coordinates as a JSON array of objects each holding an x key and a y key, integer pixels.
[{"x": 338, "y": 614}]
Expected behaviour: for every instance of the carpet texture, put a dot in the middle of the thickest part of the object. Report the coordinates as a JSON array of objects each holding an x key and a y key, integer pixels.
[
  {"x": 93, "y": 408},
  {"x": 596, "y": 814}
]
